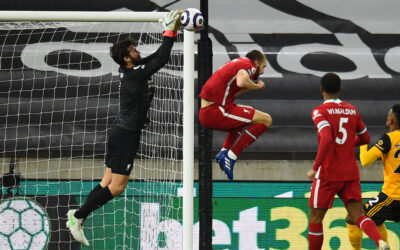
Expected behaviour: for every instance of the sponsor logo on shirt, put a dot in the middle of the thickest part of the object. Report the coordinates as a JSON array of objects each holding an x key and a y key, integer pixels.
[{"x": 316, "y": 114}]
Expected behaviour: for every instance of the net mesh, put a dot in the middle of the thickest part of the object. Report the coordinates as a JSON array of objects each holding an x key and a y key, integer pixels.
[{"x": 58, "y": 99}]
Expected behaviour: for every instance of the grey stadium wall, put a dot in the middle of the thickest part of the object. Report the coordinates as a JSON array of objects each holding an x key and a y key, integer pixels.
[{"x": 302, "y": 40}]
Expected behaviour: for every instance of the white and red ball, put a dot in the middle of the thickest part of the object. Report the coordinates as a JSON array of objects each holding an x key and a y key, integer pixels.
[{"x": 192, "y": 19}]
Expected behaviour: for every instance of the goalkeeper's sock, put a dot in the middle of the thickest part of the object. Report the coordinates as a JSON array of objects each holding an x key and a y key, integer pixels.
[
  {"x": 100, "y": 198},
  {"x": 355, "y": 236},
  {"x": 383, "y": 231},
  {"x": 93, "y": 192},
  {"x": 248, "y": 137},
  {"x": 369, "y": 228},
  {"x": 231, "y": 138}
]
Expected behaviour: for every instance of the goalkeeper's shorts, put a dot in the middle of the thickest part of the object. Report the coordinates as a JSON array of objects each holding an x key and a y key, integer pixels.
[{"x": 121, "y": 150}]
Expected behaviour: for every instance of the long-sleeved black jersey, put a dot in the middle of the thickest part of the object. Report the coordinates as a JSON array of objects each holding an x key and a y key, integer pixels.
[{"x": 136, "y": 88}]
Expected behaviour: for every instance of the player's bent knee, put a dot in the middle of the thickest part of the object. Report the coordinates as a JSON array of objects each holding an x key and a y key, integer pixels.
[
  {"x": 269, "y": 121},
  {"x": 107, "y": 178},
  {"x": 117, "y": 189},
  {"x": 105, "y": 181},
  {"x": 261, "y": 117}
]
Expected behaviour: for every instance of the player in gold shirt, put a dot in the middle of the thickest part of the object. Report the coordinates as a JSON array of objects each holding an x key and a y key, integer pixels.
[{"x": 386, "y": 205}]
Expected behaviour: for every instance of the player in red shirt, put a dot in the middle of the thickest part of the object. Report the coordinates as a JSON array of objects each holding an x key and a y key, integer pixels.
[
  {"x": 218, "y": 111},
  {"x": 335, "y": 170}
]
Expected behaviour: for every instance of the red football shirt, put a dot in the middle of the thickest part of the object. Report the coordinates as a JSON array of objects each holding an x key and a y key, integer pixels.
[
  {"x": 344, "y": 122},
  {"x": 221, "y": 87}
]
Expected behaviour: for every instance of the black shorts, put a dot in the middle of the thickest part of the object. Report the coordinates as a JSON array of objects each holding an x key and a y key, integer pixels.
[
  {"x": 381, "y": 208},
  {"x": 121, "y": 150}
]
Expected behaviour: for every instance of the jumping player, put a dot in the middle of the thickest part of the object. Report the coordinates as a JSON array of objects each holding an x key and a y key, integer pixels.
[
  {"x": 136, "y": 93},
  {"x": 218, "y": 111},
  {"x": 386, "y": 205},
  {"x": 335, "y": 171}
]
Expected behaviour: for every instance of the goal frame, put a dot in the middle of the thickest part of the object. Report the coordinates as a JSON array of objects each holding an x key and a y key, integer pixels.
[{"x": 188, "y": 88}]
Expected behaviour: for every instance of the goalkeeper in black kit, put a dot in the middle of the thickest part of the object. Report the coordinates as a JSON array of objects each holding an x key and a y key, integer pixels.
[{"x": 135, "y": 94}]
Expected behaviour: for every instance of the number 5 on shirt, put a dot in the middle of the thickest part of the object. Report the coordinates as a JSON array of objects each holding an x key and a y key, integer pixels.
[{"x": 342, "y": 130}]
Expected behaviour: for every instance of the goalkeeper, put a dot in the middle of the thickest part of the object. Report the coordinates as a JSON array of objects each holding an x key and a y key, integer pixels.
[{"x": 135, "y": 96}]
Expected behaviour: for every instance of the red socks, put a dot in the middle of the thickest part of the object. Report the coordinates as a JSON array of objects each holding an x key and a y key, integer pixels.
[
  {"x": 231, "y": 139},
  {"x": 248, "y": 137},
  {"x": 369, "y": 228},
  {"x": 315, "y": 236}
]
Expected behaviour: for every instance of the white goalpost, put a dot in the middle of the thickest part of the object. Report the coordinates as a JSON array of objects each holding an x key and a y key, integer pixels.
[{"x": 58, "y": 99}]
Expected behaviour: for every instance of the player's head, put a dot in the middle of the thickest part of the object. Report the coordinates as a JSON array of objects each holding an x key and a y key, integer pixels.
[
  {"x": 393, "y": 118},
  {"x": 259, "y": 59},
  {"x": 330, "y": 83},
  {"x": 124, "y": 52}
]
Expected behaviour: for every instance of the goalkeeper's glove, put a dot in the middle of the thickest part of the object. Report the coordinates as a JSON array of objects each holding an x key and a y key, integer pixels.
[{"x": 172, "y": 23}]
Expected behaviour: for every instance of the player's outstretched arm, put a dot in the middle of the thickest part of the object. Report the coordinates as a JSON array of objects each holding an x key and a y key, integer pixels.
[
  {"x": 170, "y": 30},
  {"x": 367, "y": 157},
  {"x": 156, "y": 61},
  {"x": 382, "y": 146}
]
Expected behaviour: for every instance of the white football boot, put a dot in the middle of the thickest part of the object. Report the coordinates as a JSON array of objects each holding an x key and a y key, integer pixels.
[
  {"x": 75, "y": 226},
  {"x": 383, "y": 245}
]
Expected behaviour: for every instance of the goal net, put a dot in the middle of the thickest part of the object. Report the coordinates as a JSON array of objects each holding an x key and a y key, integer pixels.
[{"x": 58, "y": 100}]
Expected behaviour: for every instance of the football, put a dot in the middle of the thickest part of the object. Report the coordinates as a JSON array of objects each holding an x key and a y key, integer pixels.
[
  {"x": 192, "y": 19},
  {"x": 24, "y": 225}
]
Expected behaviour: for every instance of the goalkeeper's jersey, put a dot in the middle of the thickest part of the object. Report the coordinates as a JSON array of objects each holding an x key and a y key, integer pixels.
[
  {"x": 389, "y": 145},
  {"x": 136, "y": 87}
]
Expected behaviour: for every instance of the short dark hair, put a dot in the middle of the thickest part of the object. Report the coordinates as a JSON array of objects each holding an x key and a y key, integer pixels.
[
  {"x": 330, "y": 83},
  {"x": 396, "y": 112},
  {"x": 256, "y": 55},
  {"x": 120, "y": 50}
]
